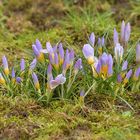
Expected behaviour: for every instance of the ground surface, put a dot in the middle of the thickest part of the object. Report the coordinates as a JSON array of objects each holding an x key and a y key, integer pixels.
[{"x": 21, "y": 22}]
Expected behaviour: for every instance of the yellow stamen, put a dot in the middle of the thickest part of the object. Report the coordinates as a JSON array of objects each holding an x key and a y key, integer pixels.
[
  {"x": 2, "y": 81},
  {"x": 6, "y": 71},
  {"x": 41, "y": 57},
  {"x": 90, "y": 60}
]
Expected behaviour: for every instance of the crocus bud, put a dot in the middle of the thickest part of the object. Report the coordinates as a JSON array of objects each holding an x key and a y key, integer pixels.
[
  {"x": 124, "y": 66},
  {"x": 88, "y": 52},
  {"x": 92, "y": 39},
  {"x": 18, "y": 80},
  {"x": 38, "y": 45},
  {"x": 71, "y": 55},
  {"x": 33, "y": 64},
  {"x": 110, "y": 65},
  {"x": 136, "y": 74},
  {"x": 127, "y": 32},
  {"x": 115, "y": 37},
  {"x": 56, "y": 65},
  {"x": 138, "y": 53},
  {"x": 22, "y": 65},
  {"x": 128, "y": 75},
  {"x": 5, "y": 65},
  {"x": 118, "y": 50},
  {"x": 13, "y": 74},
  {"x": 103, "y": 41},
  {"x": 78, "y": 65},
  {"x": 2, "y": 81},
  {"x": 119, "y": 78},
  {"x": 35, "y": 80},
  {"x": 122, "y": 30},
  {"x": 61, "y": 53}
]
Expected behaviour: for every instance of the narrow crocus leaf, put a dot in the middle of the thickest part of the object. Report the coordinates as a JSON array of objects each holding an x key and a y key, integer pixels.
[
  {"x": 92, "y": 39},
  {"x": 122, "y": 30},
  {"x": 59, "y": 80},
  {"x": 124, "y": 66},
  {"x": 22, "y": 65},
  {"x": 88, "y": 52},
  {"x": 127, "y": 32},
  {"x": 35, "y": 80},
  {"x": 5, "y": 65},
  {"x": 115, "y": 37},
  {"x": 138, "y": 53}
]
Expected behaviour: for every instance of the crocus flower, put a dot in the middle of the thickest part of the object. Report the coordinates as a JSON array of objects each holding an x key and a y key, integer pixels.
[
  {"x": 138, "y": 53},
  {"x": 22, "y": 65},
  {"x": 61, "y": 53},
  {"x": 127, "y": 32},
  {"x": 98, "y": 67},
  {"x": 118, "y": 50},
  {"x": 50, "y": 49},
  {"x": 122, "y": 30},
  {"x": 115, "y": 37},
  {"x": 78, "y": 65},
  {"x": 88, "y": 52},
  {"x": 56, "y": 65},
  {"x": 128, "y": 75},
  {"x": 49, "y": 73},
  {"x": 103, "y": 41},
  {"x": 59, "y": 80},
  {"x": 5, "y": 65},
  {"x": 136, "y": 74},
  {"x": 71, "y": 55},
  {"x": 2, "y": 81},
  {"x": 110, "y": 65},
  {"x": 35, "y": 80},
  {"x": 92, "y": 39},
  {"x": 82, "y": 93},
  {"x": 38, "y": 54},
  {"x": 124, "y": 66},
  {"x": 33, "y": 64},
  {"x": 119, "y": 78},
  {"x": 38, "y": 45},
  {"x": 13, "y": 74},
  {"x": 18, "y": 80}
]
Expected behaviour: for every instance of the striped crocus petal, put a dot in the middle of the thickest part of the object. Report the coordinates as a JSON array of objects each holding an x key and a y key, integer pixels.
[
  {"x": 122, "y": 30},
  {"x": 35, "y": 50},
  {"x": 124, "y": 66},
  {"x": 22, "y": 65},
  {"x": 71, "y": 55},
  {"x": 49, "y": 73},
  {"x": 118, "y": 50},
  {"x": 5, "y": 65},
  {"x": 56, "y": 60},
  {"x": 78, "y": 65},
  {"x": 98, "y": 67},
  {"x": 35, "y": 80},
  {"x": 92, "y": 39},
  {"x": 49, "y": 48},
  {"x": 110, "y": 65},
  {"x": 55, "y": 48},
  {"x": 38, "y": 45},
  {"x": 59, "y": 80},
  {"x": 127, "y": 32},
  {"x": 88, "y": 52},
  {"x": 33, "y": 64},
  {"x": 2, "y": 81},
  {"x": 61, "y": 53},
  {"x": 115, "y": 37},
  {"x": 137, "y": 74},
  {"x": 18, "y": 80},
  {"x": 138, "y": 53},
  {"x": 129, "y": 73}
]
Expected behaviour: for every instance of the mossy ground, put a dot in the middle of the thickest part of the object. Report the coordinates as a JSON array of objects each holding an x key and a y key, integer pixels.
[{"x": 21, "y": 22}]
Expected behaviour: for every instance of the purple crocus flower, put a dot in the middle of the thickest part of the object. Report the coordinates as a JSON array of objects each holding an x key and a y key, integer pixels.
[
  {"x": 49, "y": 73},
  {"x": 103, "y": 41},
  {"x": 61, "y": 53},
  {"x": 118, "y": 50},
  {"x": 18, "y": 80},
  {"x": 5, "y": 65},
  {"x": 127, "y": 32},
  {"x": 119, "y": 78},
  {"x": 35, "y": 50},
  {"x": 56, "y": 60},
  {"x": 137, "y": 74},
  {"x": 138, "y": 53},
  {"x": 49, "y": 48},
  {"x": 13, "y": 73},
  {"x": 59, "y": 80},
  {"x": 2, "y": 81},
  {"x": 122, "y": 30},
  {"x": 115, "y": 37},
  {"x": 124, "y": 66},
  {"x": 110, "y": 65},
  {"x": 38, "y": 45},
  {"x": 71, "y": 55},
  {"x": 82, "y": 93},
  {"x": 92, "y": 39},
  {"x": 35, "y": 80},
  {"x": 98, "y": 67},
  {"x": 127, "y": 77},
  {"x": 33, "y": 64},
  {"x": 55, "y": 48},
  {"x": 88, "y": 52},
  {"x": 22, "y": 65},
  {"x": 78, "y": 65}
]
